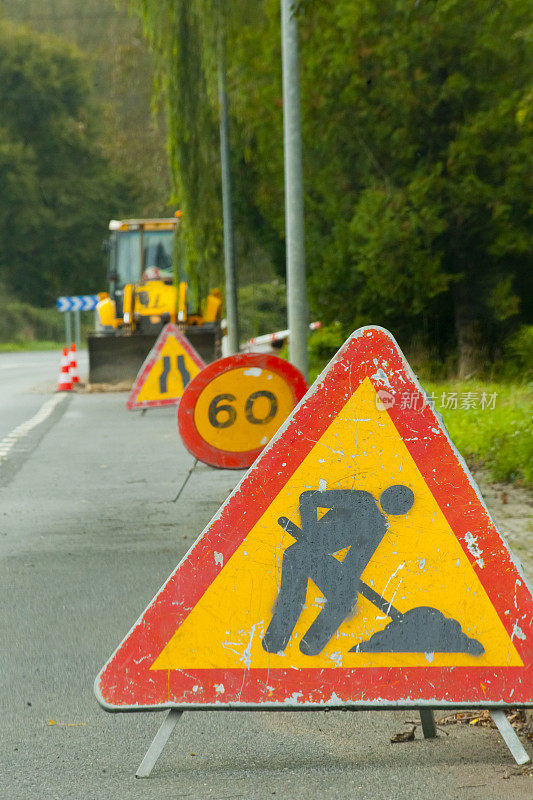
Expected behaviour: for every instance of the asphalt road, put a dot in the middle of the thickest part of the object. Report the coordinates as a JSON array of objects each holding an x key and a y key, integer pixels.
[
  {"x": 88, "y": 533},
  {"x": 26, "y": 381}
]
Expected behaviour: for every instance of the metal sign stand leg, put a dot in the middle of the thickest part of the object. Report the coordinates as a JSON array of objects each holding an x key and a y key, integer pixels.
[
  {"x": 182, "y": 487},
  {"x": 427, "y": 718},
  {"x": 509, "y": 737},
  {"x": 160, "y": 740}
]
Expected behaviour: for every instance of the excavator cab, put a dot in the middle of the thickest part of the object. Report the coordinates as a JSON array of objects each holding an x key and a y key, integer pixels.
[
  {"x": 142, "y": 297},
  {"x": 140, "y": 261}
]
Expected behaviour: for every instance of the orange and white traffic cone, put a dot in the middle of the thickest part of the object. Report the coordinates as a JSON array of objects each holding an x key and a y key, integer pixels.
[
  {"x": 64, "y": 383},
  {"x": 73, "y": 365}
]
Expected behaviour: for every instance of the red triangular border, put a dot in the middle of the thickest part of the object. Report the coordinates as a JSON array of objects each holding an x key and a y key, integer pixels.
[
  {"x": 126, "y": 682},
  {"x": 169, "y": 330}
]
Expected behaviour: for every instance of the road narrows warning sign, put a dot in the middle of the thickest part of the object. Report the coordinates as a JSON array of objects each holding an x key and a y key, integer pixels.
[
  {"x": 355, "y": 564},
  {"x": 166, "y": 372}
]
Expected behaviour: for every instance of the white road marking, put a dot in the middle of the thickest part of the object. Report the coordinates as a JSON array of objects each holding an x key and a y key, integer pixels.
[
  {"x": 18, "y": 433},
  {"x": 21, "y": 364}
]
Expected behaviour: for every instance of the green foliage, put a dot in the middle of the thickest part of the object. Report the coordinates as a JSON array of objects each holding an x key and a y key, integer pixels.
[
  {"x": 22, "y": 346},
  {"x": 174, "y": 33},
  {"x": 188, "y": 38},
  {"x": 21, "y": 324},
  {"x": 57, "y": 189},
  {"x": 262, "y": 309},
  {"x": 389, "y": 267},
  {"x": 323, "y": 344},
  {"x": 121, "y": 73},
  {"x": 499, "y": 438},
  {"x": 518, "y": 362},
  {"x": 417, "y": 122}
]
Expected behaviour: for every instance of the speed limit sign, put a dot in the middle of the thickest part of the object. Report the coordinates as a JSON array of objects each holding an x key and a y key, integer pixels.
[{"x": 234, "y": 406}]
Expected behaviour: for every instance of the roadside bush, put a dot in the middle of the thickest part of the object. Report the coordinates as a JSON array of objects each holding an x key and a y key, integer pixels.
[
  {"x": 323, "y": 344},
  {"x": 262, "y": 309},
  {"x": 498, "y": 438},
  {"x": 518, "y": 361},
  {"x": 21, "y": 323}
]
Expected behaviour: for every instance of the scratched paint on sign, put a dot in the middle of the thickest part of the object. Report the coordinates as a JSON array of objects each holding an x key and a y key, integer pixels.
[
  {"x": 354, "y": 564},
  {"x": 419, "y": 562},
  {"x": 165, "y": 374}
]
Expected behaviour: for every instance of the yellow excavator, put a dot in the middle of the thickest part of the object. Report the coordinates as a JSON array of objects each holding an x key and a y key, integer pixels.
[{"x": 142, "y": 298}]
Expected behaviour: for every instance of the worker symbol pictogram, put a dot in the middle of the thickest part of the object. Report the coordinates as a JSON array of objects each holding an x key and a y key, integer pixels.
[
  {"x": 353, "y": 521},
  {"x": 354, "y": 564},
  {"x": 166, "y": 372}
]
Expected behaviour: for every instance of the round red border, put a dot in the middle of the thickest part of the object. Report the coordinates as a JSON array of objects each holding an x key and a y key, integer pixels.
[{"x": 194, "y": 442}]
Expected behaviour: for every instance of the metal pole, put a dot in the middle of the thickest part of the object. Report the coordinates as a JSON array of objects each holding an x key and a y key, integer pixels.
[
  {"x": 227, "y": 212},
  {"x": 68, "y": 328},
  {"x": 294, "y": 208},
  {"x": 77, "y": 329}
]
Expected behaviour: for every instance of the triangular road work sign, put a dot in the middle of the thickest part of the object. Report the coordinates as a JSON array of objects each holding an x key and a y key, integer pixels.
[
  {"x": 355, "y": 564},
  {"x": 167, "y": 370}
]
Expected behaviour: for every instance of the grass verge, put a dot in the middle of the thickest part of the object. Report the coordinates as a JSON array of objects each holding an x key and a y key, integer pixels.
[
  {"x": 18, "y": 347},
  {"x": 490, "y": 424}
]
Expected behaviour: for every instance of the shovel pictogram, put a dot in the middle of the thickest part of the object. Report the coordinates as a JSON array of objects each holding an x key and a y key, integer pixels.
[{"x": 422, "y": 629}]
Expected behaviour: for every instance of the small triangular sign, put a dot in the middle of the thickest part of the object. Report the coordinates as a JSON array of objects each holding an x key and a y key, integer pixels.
[
  {"x": 354, "y": 564},
  {"x": 166, "y": 372}
]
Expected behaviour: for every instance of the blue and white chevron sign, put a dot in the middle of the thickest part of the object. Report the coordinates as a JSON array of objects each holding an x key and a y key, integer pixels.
[{"x": 83, "y": 302}]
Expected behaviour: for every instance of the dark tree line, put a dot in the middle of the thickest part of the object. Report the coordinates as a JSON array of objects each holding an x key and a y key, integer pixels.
[
  {"x": 58, "y": 189},
  {"x": 417, "y": 122}
]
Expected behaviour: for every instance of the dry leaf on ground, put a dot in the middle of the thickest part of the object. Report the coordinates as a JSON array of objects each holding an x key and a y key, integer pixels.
[{"x": 404, "y": 736}]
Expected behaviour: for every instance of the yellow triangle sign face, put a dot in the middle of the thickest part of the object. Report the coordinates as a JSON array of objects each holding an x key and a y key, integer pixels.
[
  {"x": 168, "y": 369},
  {"x": 414, "y": 565},
  {"x": 355, "y": 563}
]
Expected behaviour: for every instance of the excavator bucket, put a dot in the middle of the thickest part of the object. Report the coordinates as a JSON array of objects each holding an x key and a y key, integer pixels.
[{"x": 116, "y": 358}]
